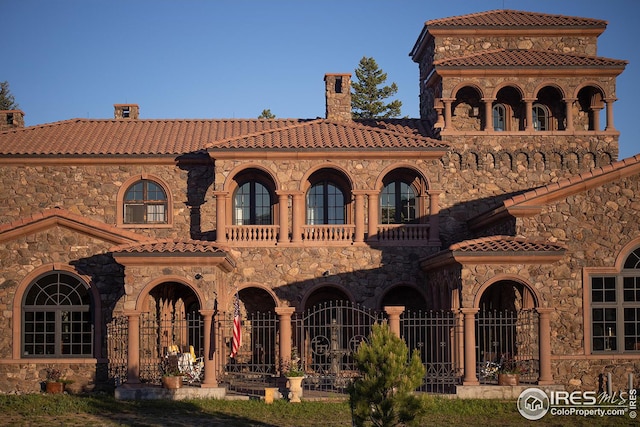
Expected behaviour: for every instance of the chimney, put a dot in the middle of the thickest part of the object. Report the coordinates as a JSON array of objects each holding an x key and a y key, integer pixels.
[
  {"x": 338, "y": 96},
  {"x": 11, "y": 119},
  {"x": 126, "y": 111}
]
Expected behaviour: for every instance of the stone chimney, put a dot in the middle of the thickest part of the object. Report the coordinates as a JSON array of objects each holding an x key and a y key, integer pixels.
[
  {"x": 338, "y": 96},
  {"x": 126, "y": 111},
  {"x": 11, "y": 119}
]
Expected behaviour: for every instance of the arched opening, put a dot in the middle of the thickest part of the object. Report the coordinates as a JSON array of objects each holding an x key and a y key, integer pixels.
[
  {"x": 591, "y": 104},
  {"x": 507, "y": 113},
  {"x": 325, "y": 294},
  {"x": 467, "y": 109},
  {"x": 549, "y": 112},
  {"x": 404, "y": 295}
]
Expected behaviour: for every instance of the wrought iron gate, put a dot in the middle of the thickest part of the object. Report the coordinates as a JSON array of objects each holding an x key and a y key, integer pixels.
[
  {"x": 507, "y": 339},
  {"x": 117, "y": 349},
  {"x": 255, "y": 365},
  {"x": 434, "y": 334},
  {"x": 325, "y": 337}
]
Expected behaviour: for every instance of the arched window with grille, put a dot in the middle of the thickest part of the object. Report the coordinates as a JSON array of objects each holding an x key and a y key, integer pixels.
[
  {"x": 398, "y": 203},
  {"x": 540, "y": 117},
  {"x": 145, "y": 202},
  {"x": 57, "y": 317},
  {"x": 325, "y": 204}
]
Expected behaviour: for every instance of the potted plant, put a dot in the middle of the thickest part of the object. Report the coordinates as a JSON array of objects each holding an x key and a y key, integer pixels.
[
  {"x": 509, "y": 372},
  {"x": 292, "y": 370},
  {"x": 54, "y": 382},
  {"x": 172, "y": 380}
]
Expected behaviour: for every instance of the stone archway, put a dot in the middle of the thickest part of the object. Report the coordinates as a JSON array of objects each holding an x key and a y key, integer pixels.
[
  {"x": 325, "y": 294},
  {"x": 404, "y": 295}
]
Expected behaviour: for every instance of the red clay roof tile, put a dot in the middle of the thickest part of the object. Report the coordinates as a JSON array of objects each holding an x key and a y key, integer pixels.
[
  {"x": 514, "y": 18},
  {"x": 170, "y": 246},
  {"x": 505, "y": 244},
  {"x": 529, "y": 58}
]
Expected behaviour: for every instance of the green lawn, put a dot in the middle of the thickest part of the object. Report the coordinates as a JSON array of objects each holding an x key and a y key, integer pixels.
[{"x": 83, "y": 410}]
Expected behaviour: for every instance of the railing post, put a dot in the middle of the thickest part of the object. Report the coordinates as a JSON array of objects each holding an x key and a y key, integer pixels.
[
  {"x": 284, "y": 322},
  {"x": 394, "y": 313},
  {"x": 544, "y": 345},
  {"x": 133, "y": 348},
  {"x": 470, "y": 377}
]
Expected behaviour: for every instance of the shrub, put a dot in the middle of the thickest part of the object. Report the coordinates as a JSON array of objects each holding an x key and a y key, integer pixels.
[{"x": 383, "y": 394}]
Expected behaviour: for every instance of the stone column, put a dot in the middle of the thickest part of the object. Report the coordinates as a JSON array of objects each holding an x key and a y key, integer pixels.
[
  {"x": 544, "y": 345},
  {"x": 488, "y": 114},
  {"x": 447, "y": 112},
  {"x": 434, "y": 216},
  {"x": 283, "y": 205},
  {"x": 569, "y": 111},
  {"x": 210, "y": 379},
  {"x": 459, "y": 342},
  {"x": 470, "y": 377},
  {"x": 221, "y": 219},
  {"x": 133, "y": 348},
  {"x": 284, "y": 320},
  {"x": 359, "y": 215},
  {"x": 297, "y": 216},
  {"x": 374, "y": 206},
  {"x": 529, "y": 114},
  {"x": 394, "y": 318},
  {"x": 609, "y": 106}
]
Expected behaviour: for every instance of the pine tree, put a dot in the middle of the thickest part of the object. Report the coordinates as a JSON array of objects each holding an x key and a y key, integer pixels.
[
  {"x": 383, "y": 394},
  {"x": 7, "y": 101},
  {"x": 367, "y": 100},
  {"x": 267, "y": 114}
]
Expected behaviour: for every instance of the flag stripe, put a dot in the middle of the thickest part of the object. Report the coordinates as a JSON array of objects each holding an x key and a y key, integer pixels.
[{"x": 237, "y": 327}]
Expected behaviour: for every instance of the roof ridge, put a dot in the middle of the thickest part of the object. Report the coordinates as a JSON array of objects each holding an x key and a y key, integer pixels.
[
  {"x": 355, "y": 125},
  {"x": 259, "y": 133},
  {"x": 512, "y": 23}
]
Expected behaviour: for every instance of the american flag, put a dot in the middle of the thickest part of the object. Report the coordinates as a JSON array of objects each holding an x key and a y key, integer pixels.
[{"x": 237, "y": 327}]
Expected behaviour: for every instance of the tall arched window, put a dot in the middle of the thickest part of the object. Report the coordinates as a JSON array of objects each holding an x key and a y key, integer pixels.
[
  {"x": 615, "y": 309},
  {"x": 499, "y": 117},
  {"x": 252, "y": 205},
  {"x": 145, "y": 202},
  {"x": 325, "y": 204},
  {"x": 540, "y": 117},
  {"x": 56, "y": 317},
  {"x": 398, "y": 203}
]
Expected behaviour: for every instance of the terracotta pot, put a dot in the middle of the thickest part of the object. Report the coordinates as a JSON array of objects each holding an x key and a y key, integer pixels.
[
  {"x": 54, "y": 387},
  {"x": 295, "y": 388},
  {"x": 508, "y": 379},
  {"x": 172, "y": 382}
]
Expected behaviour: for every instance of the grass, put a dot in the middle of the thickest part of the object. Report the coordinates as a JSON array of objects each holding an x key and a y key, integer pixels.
[{"x": 96, "y": 410}]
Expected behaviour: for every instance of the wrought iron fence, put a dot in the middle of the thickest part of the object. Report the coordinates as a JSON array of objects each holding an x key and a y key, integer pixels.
[
  {"x": 434, "y": 334},
  {"x": 326, "y": 336},
  {"x": 507, "y": 340},
  {"x": 117, "y": 349},
  {"x": 255, "y": 365}
]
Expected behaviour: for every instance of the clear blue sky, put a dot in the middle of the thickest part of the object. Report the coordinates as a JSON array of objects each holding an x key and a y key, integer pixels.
[{"x": 231, "y": 59}]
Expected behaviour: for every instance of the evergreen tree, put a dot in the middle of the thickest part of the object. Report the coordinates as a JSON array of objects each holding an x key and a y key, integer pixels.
[
  {"x": 7, "y": 101},
  {"x": 267, "y": 114},
  {"x": 367, "y": 100},
  {"x": 383, "y": 394}
]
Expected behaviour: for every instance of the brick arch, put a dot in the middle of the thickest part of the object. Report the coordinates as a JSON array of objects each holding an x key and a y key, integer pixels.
[
  {"x": 536, "y": 299},
  {"x": 24, "y": 284},
  {"x": 230, "y": 183},
  {"x": 383, "y": 174},
  {"x": 141, "y": 299},
  {"x": 329, "y": 166}
]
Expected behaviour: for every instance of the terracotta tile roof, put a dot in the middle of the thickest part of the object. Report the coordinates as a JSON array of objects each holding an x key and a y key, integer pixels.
[
  {"x": 528, "y": 58},
  {"x": 87, "y": 137},
  {"x": 170, "y": 246},
  {"x": 578, "y": 183},
  {"x": 495, "y": 244},
  {"x": 62, "y": 217},
  {"x": 505, "y": 18},
  {"x": 326, "y": 134}
]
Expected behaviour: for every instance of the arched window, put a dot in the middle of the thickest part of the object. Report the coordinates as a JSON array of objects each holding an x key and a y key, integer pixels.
[
  {"x": 252, "y": 205},
  {"x": 615, "y": 309},
  {"x": 56, "y": 317},
  {"x": 325, "y": 204},
  {"x": 145, "y": 202},
  {"x": 398, "y": 203},
  {"x": 540, "y": 117},
  {"x": 499, "y": 117}
]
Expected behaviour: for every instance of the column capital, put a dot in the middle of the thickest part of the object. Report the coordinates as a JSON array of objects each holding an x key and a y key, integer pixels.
[
  {"x": 469, "y": 310},
  {"x": 285, "y": 311},
  {"x": 394, "y": 310},
  {"x": 544, "y": 310}
]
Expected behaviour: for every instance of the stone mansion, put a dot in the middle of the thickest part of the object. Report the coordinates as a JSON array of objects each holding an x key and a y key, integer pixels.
[{"x": 503, "y": 211}]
